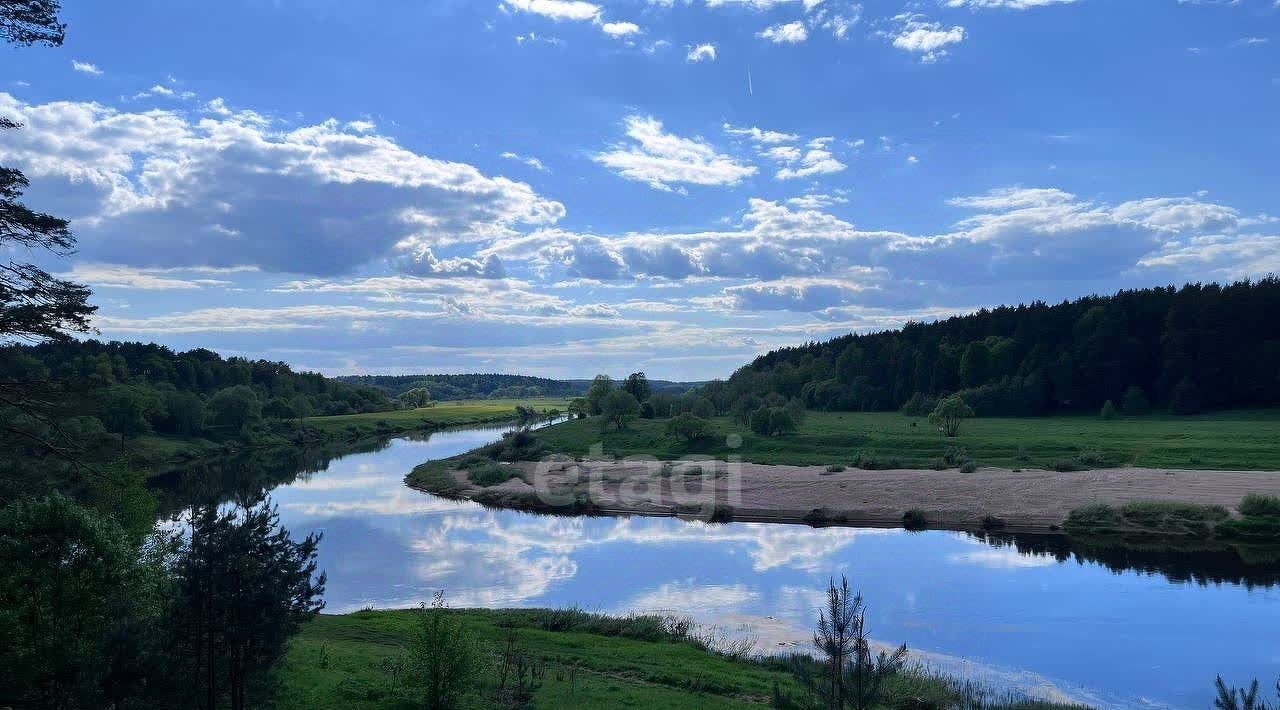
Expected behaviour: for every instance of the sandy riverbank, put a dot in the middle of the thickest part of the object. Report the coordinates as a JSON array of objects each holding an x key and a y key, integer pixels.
[{"x": 1030, "y": 500}]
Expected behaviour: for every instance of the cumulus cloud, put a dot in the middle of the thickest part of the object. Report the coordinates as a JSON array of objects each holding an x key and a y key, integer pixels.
[
  {"x": 834, "y": 16},
  {"x": 803, "y": 258},
  {"x": 799, "y": 294},
  {"x": 788, "y": 33},
  {"x": 701, "y": 53},
  {"x": 917, "y": 34},
  {"x": 161, "y": 188},
  {"x": 620, "y": 29},
  {"x": 86, "y": 68},
  {"x": 758, "y": 135},
  {"x": 774, "y": 241},
  {"x": 816, "y": 161},
  {"x": 665, "y": 161},
  {"x": 555, "y": 9},
  {"x": 422, "y": 262}
]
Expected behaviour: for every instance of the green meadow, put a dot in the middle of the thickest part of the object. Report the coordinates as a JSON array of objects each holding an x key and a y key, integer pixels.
[
  {"x": 588, "y": 661},
  {"x": 1246, "y": 440}
]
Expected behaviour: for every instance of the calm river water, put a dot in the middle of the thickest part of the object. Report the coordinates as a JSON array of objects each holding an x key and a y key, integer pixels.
[{"x": 1111, "y": 628}]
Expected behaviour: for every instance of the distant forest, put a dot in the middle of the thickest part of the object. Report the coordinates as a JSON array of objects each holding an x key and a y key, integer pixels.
[
  {"x": 1184, "y": 349},
  {"x": 487, "y": 386}
]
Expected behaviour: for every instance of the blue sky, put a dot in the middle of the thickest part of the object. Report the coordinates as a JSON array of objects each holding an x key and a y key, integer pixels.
[{"x": 563, "y": 187}]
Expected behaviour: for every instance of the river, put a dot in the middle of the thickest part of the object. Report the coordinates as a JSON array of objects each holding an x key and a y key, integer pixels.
[{"x": 1112, "y": 628}]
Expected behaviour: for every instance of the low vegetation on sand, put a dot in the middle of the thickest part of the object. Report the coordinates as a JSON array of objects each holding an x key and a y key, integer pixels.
[
  {"x": 569, "y": 658},
  {"x": 1258, "y": 522},
  {"x": 1223, "y": 440}
]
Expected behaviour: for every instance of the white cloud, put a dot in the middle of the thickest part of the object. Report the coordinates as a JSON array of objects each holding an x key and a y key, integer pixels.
[
  {"x": 255, "y": 319},
  {"x": 784, "y": 153},
  {"x": 798, "y": 294},
  {"x": 1008, "y": 4},
  {"x": 759, "y": 135},
  {"x": 790, "y": 33},
  {"x": 702, "y": 53},
  {"x": 620, "y": 29},
  {"x": 556, "y": 9},
  {"x": 121, "y": 276},
  {"x": 86, "y": 68},
  {"x": 159, "y": 188},
  {"x": 818, "y": 201},
  {"x": 535, "y": 38},
  {"x": 751, "y": 4},
  {"x": 816, "y": 161},
  {"x": 664, "y": 160},
  {"x": 917, "y": 34},
  {"x": 531, "y": 161}
]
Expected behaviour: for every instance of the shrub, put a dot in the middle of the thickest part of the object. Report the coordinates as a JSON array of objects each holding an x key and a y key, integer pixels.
[
  {"x": 869, "y": 462},
  {"x": 1156, "y": 512},
  {"x": 1264, "y": 529},
  {"x": 1135, "y": 402},
  {"x": 688, "y": 427},
  {"x": 1096, "y": 519},
  {"x": 835, "y": 468},
  {"x": 955, "y": 456},
  {"x": 1255, "y": 504},
  {"x": 772, "y": 421},
  {"x": 1108, "y": 412},
  {"x": 991, "y": 522},
  {"x": 489, "y": 473},
  {"x": 968, "y": 467},
  {"x": 440, "y": 664},
  {"x": 915, "y": 519}
]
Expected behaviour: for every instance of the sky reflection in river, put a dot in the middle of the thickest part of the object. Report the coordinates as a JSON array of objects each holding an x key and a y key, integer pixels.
[{"x": 1114, "y": 638}]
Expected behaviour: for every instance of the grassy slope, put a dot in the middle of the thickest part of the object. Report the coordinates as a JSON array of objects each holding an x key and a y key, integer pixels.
[
  {"x": 1226, "y": 440},
  {"x": 337, "y": 662}
]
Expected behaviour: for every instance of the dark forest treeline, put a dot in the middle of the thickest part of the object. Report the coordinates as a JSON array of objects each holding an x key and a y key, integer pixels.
[
  {"x": 478, "y": 386},
  {"x": 418, "y": 389},
  {"x": 1200, "y": 346},
  {"x": 89, "y": 370},
  {"x": 81, "y": 400}
]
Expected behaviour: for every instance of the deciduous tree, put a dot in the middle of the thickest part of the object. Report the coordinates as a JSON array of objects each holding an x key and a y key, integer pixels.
[{"x": 948, "y": 415}]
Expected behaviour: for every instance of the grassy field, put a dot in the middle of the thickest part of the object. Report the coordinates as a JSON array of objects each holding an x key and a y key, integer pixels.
[
  {"x": 442, "y": 414},
  {"x": 1225, "y": 440},
  {"x": 344, "y": 662}
]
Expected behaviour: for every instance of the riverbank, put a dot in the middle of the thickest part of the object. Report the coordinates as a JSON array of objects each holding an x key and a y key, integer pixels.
[
  {"x": 586, "y": 660},
  {"x": 159, "y": 455},
  {"x": 1019, "y": 500}
]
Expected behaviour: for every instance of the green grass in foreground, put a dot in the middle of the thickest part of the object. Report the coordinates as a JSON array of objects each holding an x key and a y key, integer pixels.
[
  {"x": 1226, "y": 440},
  {"x": 342, "y": 662}
]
